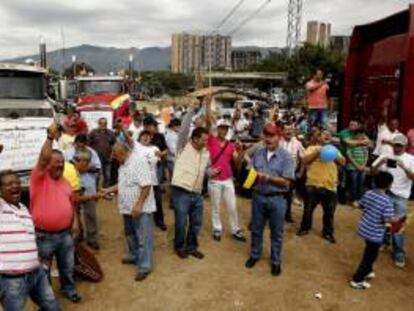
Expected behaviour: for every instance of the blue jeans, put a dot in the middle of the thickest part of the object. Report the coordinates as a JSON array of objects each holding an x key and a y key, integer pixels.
[
  {"x": 140, "y": 240},
  {"x": 14, "y": 291},
  {"x": 398, "y": 239},
  {"x": 187, "y": 206},
  {"x": 356, "y": 184},
  {"x": 272, "y": 209},
  {"x": 60, "y": 245},
  {"x": 319, "y": 117}
]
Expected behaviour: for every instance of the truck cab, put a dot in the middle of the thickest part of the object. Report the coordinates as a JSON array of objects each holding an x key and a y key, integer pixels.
[
  {"x": 102, "y": 97},
  {"x": 25, "y": 113}
]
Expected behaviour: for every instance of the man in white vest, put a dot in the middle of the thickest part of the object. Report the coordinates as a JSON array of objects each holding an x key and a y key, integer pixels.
[{"x": 192, "y": 163}]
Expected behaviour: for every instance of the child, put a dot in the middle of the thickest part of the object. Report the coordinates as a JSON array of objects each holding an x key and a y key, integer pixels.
[
  {"x": 378, "y": 210},
  {"x": 357, "y": 166}
]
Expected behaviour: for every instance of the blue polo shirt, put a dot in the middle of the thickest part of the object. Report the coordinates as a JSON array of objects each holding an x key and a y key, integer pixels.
[{"x": 280, "y": 165}]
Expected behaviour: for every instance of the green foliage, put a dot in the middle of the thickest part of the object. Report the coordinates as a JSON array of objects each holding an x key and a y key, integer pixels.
[
  {"x": 81, "y": 68},
  {"x": 303, "y": 63},
  {"x": 174, "y": 84}
]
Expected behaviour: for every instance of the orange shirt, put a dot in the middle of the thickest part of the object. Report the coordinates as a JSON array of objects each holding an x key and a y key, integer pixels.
[
  {"x": 317, "y": 99},
  {"x": 50, "y": 202}
]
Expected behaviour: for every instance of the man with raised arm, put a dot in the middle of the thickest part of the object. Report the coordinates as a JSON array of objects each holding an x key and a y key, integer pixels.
[{"x": 53, "y": 212}]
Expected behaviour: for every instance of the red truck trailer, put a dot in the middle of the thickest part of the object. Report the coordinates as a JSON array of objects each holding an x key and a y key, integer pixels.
[{"x": 379, "y": 69}]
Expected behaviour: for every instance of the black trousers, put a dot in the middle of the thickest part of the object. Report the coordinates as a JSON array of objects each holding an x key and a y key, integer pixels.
[
  {"x": 289, "y": 201},
  {"x": 159, "y": 213},
  {"x": 367, "y": 262},
  {"x": 328, "y": 200}
]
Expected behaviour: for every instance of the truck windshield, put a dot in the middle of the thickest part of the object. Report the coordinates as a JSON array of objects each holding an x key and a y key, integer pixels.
[
  {"x": 21, "y": 85},
  {"x": 100, "y": 87}
]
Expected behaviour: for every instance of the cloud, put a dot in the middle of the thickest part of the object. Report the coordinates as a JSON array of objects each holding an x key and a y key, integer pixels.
[{"x": 125, "y": 23}]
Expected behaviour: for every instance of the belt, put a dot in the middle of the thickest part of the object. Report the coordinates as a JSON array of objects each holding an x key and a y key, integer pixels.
[
  {"x": 51, "y": 232},
  {"x": 186, "y": 191},
  {"x": 18, "y": 275},
  {"x": 272, "y": 194}
]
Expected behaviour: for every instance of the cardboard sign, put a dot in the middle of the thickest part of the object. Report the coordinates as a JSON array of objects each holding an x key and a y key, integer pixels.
[
  {"x": 21, "y": 148},
  {"x": 92, "y": 117}
]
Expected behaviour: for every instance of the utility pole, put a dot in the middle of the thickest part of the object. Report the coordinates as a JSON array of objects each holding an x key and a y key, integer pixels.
[
  {"x": 74, "y": 65},
  {"x": 42, "y": 47},
  {"x": 294, "y": 25},
  {"x": 131, "y": 66}
]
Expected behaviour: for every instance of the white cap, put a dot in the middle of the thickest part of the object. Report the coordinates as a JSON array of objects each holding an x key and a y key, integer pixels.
[{"x": 223, "y": 122}]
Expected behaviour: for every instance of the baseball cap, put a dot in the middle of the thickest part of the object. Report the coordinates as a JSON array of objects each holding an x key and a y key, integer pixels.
[
  {"x": 271, "y": 129},
  {"x": 223, "y": 123},
  {"x": 400, "y": 139},
  {"x": 150, "y": 121}
]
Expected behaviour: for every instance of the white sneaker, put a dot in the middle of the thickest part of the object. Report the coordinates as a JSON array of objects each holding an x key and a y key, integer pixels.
[
  {"x": 360, "y": 285},
  {"x": 400, "y": 263},
  {"x": 371, "y": 276}
]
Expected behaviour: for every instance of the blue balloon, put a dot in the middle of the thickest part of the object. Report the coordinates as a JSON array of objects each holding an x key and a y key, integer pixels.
[{"x": 328, "y": 153}]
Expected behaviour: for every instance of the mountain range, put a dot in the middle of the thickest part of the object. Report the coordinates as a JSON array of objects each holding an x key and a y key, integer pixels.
[{"x": 112, "y": 59}]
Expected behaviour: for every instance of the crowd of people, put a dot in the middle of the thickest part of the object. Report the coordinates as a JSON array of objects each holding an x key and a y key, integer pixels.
[{"x": 199, "y": 154}]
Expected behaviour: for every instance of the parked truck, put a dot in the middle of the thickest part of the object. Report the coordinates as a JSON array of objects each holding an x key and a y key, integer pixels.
[
  {"x": 380, "y": 69},
  {"x": 25, "y": 114},
  {"x": 102, "y": 97}
]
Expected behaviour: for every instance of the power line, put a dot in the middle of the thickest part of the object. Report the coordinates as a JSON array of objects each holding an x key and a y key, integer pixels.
[
  {"x": 229, "y": 15},
  {"x": 249, "y": 18}
]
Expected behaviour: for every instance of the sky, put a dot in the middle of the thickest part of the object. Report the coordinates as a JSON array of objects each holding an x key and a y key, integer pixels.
[{"x": 143, "y": 23}]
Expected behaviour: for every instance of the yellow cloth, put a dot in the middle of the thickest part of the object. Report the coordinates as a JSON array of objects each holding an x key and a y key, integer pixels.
[
  {"x": 321, "y": 174},
  {"x": 72, "y": 176},
  {"x": 119, "y": 101},
  {"x": 250, "y": 180}
]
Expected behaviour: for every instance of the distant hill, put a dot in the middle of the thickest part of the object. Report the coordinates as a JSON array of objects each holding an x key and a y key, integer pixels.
[{"x": 107, "y": 59}]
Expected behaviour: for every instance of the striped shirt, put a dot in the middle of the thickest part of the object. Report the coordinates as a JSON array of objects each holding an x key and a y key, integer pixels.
[
  {"x": 377, "y": 208},
  {"x": 18, "y": 249}
]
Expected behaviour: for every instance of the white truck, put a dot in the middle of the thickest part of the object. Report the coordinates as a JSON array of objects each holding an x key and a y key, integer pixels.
[{"x": 25, "y": 113}]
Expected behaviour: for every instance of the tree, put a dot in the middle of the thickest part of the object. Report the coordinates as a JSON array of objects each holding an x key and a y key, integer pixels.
[
  {"x": 173, "y": 83},
  {"x": 81, "y": 68},
  {"x": 303, "y": 63}
]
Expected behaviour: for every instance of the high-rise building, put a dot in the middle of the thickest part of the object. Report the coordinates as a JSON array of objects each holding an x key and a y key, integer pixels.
[
  {"x": 318, "y": 33},
  {"x": 243, "y": 59},
  {"x": 340, "y": 43},
  {"x": 193, "y": 53}
]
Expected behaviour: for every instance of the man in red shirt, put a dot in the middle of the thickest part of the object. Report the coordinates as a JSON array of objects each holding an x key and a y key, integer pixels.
[
  {"x": 317, "y": 98},
  {"x": 51, "y": 205}
]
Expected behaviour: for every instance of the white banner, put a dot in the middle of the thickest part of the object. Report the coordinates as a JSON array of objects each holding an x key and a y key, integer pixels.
[
  {"x": 21, "y": 148},
  {"x": 92, "y": 117}
]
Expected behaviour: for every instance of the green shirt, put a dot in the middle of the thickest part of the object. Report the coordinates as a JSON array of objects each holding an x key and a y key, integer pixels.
[
  {"x": 359, "y": 154},
  {"x": 344, "y": 135}
]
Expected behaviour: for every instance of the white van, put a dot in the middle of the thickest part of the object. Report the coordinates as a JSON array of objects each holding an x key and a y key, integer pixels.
[{"x": 25, "y": 114}]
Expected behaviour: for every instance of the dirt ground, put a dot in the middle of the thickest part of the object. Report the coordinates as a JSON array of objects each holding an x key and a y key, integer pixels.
[{"x": 221, "y": 282}]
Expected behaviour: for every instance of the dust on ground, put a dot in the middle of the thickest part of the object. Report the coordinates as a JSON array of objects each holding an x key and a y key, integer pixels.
[{"x": 221, "y": 282}]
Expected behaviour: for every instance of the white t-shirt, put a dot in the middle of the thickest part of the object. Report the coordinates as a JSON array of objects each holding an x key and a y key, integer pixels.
[
  {"x": 384, "y": 133},
  {"x": 150, "y": 154},
  {"x": 402, "y": 184},
  {"x": 171, "y": 139},
  {"x": 136, "y": 131}
]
